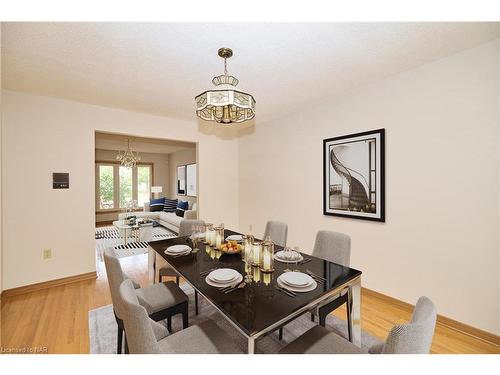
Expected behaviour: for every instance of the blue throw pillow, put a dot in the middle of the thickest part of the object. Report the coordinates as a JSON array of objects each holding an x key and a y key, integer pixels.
[
  {"x": 170, "y": 205},
  {"x": 181, "y": 208},
  {"x": 156, "y": 204}
]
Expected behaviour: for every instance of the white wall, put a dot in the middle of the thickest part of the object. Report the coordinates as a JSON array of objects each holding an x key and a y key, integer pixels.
[
  {"x": 182, "y": 157},
  {"x": 44, "y": 135},
  {"x": 441, "y": 237},
  {"x": 161, "y": 175},
  {"x": 1, "y": 162}
]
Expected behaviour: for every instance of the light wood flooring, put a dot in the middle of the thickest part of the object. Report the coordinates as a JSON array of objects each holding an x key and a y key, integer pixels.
[{"x": 57, "y": 318}]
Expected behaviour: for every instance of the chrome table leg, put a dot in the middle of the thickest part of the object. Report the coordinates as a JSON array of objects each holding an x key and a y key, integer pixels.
[
  {"x": 251, "y": 345},
  {"x": 355, "y": 305}
]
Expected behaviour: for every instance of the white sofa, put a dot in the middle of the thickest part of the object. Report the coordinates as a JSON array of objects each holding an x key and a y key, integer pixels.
[{"x": 167, "y": 219}]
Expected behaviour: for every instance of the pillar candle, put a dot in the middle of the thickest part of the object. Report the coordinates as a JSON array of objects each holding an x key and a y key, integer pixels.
[
  {"x": 247, "y": 251},
  {"x": 267, "y": 260},
  {"x": 218, "y": 240},
  {"x": 256, "y": 253},
  {"x": 256, "y": 274}
]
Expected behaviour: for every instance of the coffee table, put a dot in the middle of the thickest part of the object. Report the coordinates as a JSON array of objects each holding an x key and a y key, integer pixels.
[{"x": 130, "y": 233}]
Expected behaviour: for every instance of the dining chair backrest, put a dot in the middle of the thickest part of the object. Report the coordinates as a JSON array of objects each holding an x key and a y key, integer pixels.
[
  {"x": 115, "y": 279},
  {"x": 277, "y": 231},
  {"x": 414, "y": 337},
  {"x": 333, "y": 246},
  {"x": 186, "y": 227},
  {"x": 138, "y": 330}
]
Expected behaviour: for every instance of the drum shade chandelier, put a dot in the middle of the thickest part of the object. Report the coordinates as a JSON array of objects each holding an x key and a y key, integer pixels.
[
  {"x": 224, "y": 104},
  {"x": 128, "y": 158}
]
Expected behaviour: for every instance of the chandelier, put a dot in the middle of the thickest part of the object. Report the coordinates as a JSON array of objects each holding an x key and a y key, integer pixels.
[
  {"x": 128, "y": 158},
  {"x": 224, "y": 104}
]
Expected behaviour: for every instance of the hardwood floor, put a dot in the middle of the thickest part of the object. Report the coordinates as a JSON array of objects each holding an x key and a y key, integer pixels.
[{"x": 57, "y": 318}]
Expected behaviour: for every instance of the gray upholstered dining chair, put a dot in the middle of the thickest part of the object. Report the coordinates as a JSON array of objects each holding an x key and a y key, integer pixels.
[
  {"x": 336, "y": 248},
  {"x": 185, "y": 229},
  {"x": 414, "y": 337},
  {"x": 145, "y": 336},
  {"x": 161, "y": 301},
  {"x": 277, "y": 231}
]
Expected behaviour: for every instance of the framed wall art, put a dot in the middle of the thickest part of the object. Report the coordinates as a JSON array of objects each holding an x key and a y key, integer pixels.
[{"x": 354, "y": 176}]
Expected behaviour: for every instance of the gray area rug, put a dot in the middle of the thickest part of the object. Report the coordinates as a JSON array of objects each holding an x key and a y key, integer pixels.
[{"x": 103, "y": 329}]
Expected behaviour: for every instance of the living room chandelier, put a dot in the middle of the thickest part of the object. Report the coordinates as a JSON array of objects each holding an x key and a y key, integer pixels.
[
  {"x": 224, "y": 104},
  {"x": 128, "y": 158}
]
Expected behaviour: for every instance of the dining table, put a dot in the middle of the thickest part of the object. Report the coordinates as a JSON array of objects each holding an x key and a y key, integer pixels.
[{"x": 260, "y": 307}]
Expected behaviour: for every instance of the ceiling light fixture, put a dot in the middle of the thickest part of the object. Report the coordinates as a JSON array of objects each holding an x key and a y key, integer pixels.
[
  {"x": 128, "y": 158},
  {"x": 224, "y": 104}
]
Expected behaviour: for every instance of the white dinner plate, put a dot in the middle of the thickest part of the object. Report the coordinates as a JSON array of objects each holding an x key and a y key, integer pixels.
[
  {"x": 235, "y": 237},
  {"x": 187, "y": 251},
  {"x": 280, "y": 256},
  {"x": 177, "y": 249},
  {"x": 297, "y": 286},
  {"x": 224, "y": 282},
  {"x": 297, "y": 289},
  {"x": 223, "y": 275},
  {"x": 238, "y": 280},
  {"x": 296, "y": 279}
]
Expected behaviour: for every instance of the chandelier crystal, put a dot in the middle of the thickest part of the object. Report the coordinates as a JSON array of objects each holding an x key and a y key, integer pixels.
[
  {"x": 128, "y": 158},
  {"x": 225, "y": 104}
]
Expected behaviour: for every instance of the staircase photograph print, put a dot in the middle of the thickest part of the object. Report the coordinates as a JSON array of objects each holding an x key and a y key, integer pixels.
[{"x": 353, "y": 176}]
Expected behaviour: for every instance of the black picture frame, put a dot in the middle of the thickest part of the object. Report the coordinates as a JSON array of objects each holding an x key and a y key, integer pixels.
[{"x": 353, "y": 195}]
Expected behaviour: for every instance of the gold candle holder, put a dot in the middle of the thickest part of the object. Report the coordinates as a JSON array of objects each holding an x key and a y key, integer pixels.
[
  {"x": 256, "y": 274},
  {"x": 208, "y": 228},
  {"x": 219, "y": 237},
  {"x": 267, "y": 277},
  {"x": 212, "y": 253},
  {"x": 247, "y": 247},
  {"x": 267, "y": 261},
  {"x": 217, "y": 252},
  {"x": 256, "y": 253}
]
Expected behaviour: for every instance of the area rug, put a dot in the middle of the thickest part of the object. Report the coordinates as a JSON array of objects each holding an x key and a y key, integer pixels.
[
  {"x": 110, "y": 237},
  {"x": 103, "y": 329}
]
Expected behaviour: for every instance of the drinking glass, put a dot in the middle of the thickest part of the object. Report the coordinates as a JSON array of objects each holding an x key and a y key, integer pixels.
[
  {"x": 248, "y": 267},
  {"x": 296, "y": 255},
  {"x": 288, "y": 254},
  {"x": 195, "y": 238}
]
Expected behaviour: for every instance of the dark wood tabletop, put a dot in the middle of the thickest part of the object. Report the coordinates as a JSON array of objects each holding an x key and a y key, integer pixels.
[{"x": 258, "y": 305}]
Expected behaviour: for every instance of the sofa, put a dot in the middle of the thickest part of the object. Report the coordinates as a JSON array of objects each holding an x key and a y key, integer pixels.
[{"x": 167, "y": 219}]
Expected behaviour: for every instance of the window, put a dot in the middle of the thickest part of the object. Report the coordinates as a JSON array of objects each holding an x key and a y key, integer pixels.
[
  {"x": 106, "y": 187},
  {"x": 143, "y": 184},
  {"x": 125, "y": 186},
  {"x": 117, "y": 186}
]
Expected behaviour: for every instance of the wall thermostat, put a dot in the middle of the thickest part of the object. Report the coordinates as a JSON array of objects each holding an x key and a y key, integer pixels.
[{"x": 60, "y": 180}]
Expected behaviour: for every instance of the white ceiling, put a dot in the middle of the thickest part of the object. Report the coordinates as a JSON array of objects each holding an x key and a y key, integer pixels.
[
  {"x": 159, "y": 67},
  {"x": 118, "y": 142}
]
